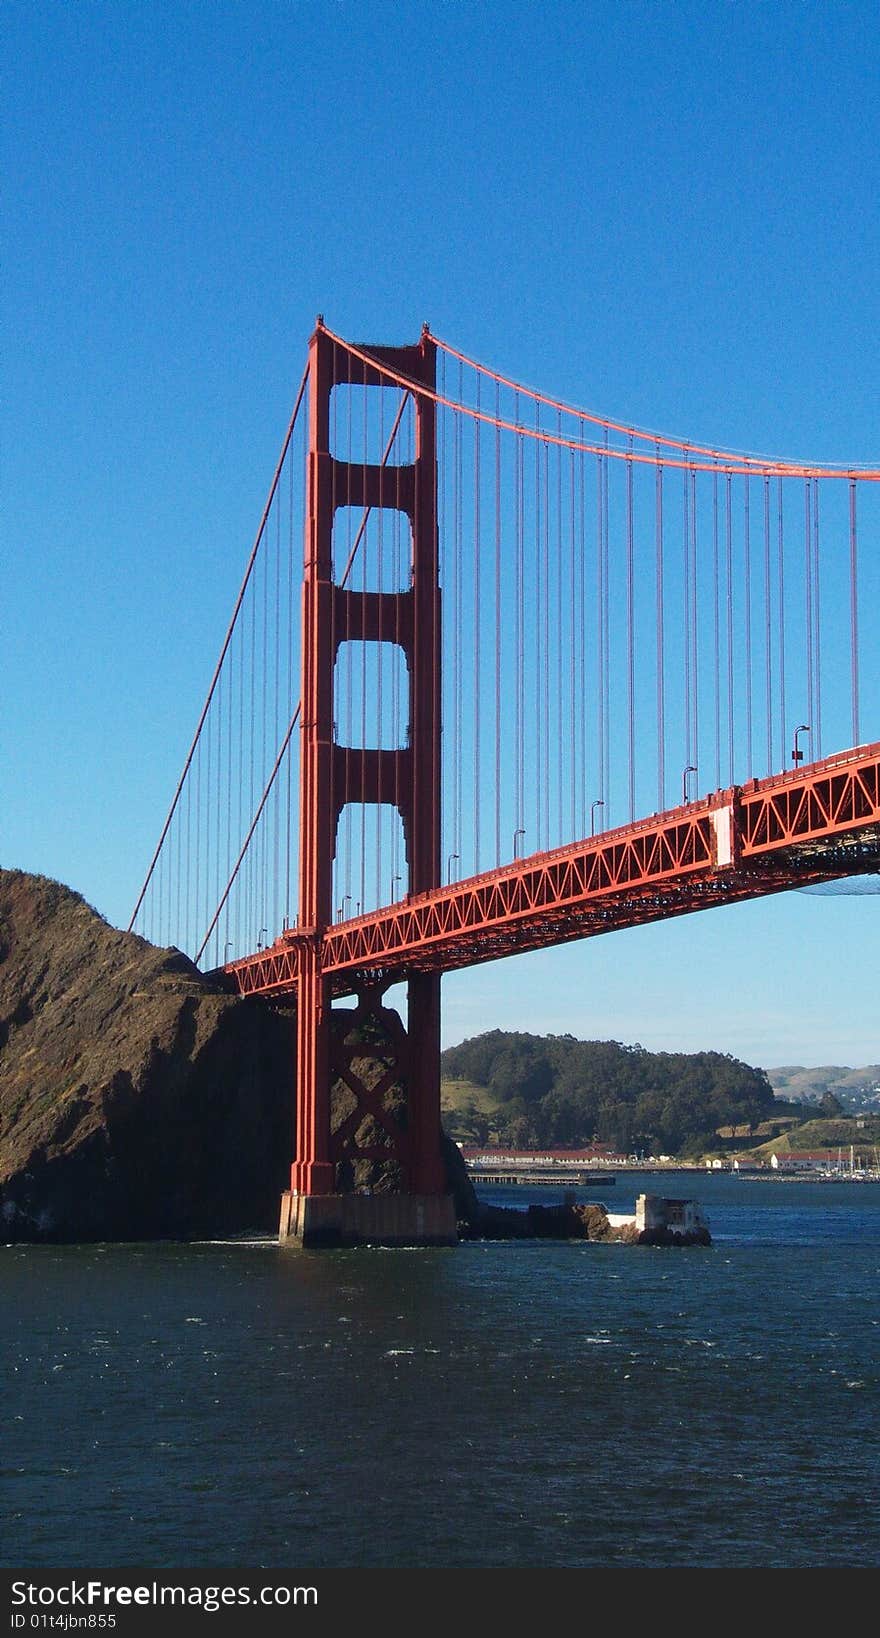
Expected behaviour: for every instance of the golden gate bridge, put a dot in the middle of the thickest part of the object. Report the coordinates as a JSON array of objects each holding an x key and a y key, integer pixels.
[{"x": 502, "y": 673}]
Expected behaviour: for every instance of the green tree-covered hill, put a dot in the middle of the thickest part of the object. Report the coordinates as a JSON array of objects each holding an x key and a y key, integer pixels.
[{"x": 541, "y": 1091}]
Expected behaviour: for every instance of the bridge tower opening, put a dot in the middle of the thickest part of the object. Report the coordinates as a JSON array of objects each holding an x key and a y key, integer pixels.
[{"x": 324, "y": 1204}]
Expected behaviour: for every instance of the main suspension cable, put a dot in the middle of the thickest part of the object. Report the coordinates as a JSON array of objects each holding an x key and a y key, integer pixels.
[{"x": 226, "y": 641}]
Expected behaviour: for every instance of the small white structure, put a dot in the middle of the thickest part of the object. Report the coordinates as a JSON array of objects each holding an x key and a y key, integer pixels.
[{"x": 654, "y": 1212}]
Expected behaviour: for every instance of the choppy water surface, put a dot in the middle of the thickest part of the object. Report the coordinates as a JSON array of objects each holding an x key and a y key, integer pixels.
[{"x": 493, "y": 1405}]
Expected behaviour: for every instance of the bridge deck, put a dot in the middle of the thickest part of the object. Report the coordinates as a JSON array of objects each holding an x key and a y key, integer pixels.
[{"x": 814, "y": 823}]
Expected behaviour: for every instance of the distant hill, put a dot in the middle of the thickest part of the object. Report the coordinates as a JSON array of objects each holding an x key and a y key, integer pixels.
[
  {"x": 863, "y": 1134},
  {"x": 854, "y": 1088},
  {"x": 536, "y": 1091}
]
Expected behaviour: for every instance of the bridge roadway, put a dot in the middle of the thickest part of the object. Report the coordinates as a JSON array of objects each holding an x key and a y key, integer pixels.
[{"x": 811, "y": 824}]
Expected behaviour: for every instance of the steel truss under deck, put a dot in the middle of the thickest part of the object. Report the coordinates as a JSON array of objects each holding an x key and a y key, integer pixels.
[{"x": 815, "y": 823}]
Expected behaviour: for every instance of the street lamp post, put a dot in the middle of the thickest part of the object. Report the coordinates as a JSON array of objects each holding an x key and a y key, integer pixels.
[
  {"x": 593, "y": 806},
  {"x": 517, "y": 833},
  {"x": 797, "y": 754},
  {"x": 691, "y": 768},
  {"x": 453, "y": 857}
]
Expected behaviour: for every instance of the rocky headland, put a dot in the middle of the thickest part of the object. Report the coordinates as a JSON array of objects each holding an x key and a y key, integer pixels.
[{"x": 139, "y": 1099}]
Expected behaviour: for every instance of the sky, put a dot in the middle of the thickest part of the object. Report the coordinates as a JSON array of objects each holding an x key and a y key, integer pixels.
[{"x": 663, "y": 212}]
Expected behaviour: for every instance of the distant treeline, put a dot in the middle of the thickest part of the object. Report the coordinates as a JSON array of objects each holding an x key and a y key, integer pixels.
[{"x": 556, "y": 1090}]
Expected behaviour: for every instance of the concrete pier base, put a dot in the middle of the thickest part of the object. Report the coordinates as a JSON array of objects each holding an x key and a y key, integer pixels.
[{"x": 367, "y": 1220}]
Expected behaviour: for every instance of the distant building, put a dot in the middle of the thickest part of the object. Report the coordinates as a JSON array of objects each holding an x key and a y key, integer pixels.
[
  {"x": 598, "y": 1154},
  {"x": 806, "y": 1160}
]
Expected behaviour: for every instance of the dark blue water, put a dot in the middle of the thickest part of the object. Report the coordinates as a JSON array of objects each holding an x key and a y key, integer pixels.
[{"x": 530, "y": 1404}]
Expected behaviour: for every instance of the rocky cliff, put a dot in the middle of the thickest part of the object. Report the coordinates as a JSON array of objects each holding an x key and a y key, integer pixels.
[{"x": 138, "y": 1098}]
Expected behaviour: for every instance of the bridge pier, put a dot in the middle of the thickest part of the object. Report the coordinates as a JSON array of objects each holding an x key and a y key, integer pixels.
[{"x": 367, "y": 1220}]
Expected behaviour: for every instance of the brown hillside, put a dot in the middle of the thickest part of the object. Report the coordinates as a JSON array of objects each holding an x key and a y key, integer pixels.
[{"x": 137, "y": 1099}]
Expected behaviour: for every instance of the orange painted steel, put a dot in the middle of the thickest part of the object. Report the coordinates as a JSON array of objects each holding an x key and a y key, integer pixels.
[
  {"x": 761, "y": 465},
  {"x": 815, "y": 823},
  {"x": 333, "y": 775},
  {"x": 378, "y": 359}
]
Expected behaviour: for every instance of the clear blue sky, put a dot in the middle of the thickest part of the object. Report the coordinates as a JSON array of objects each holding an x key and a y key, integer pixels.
[{"x": 666, "y": 212}]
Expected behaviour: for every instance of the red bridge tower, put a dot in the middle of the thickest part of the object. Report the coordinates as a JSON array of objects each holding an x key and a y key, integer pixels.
[{"x": 323, "y": 1204}]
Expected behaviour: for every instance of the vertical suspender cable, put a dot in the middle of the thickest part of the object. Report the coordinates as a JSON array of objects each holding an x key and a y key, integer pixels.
[
  {"x": 582, "y": 626},
  {"x": 289, "y": 701},
  {"x": 728, "y": 553},
  {"x": 396, "y": 739},
  {"x": 518, "y": 627},
  {"x": 227, "y": 802},
  {"x": 780, "y": 592},
  {"x": 441, "y": 678},
  {"x": 240, "y": 925},
  {"x": 747, "y": 591},
  {"x": 178, "y": 875},
  {"x": 768, "y": 644},
  {"x": 817, "y": 660},
  {"x": 477, "y": 682},
  {"x": 398, "y": 720},
  {"x": 572, "y": 648},
  {"x": 630, "y": 648},
  {"x": 854, "y": 610},
  {"x": 695, "y": 605},
  {"x": 544, "y": 773},
  {"x": 560, "y": 645},
  {"x": 808, "y": 609},
  {"x": 345, "y": 671},
  {"x": 660, "y": 660},
  {"x": 541, "y": 596},
  {"x": 607, "y": 641},
  {"x": 716, "y": 631},
  {"x": 459, "y": 621},
  {"x": 198, "y": 827},
  {"x": 686, "y": 555},
  {"x": 159, "y": 937},
  {"x": 218, "y": 866},
  {"x": 379, "y": 887},
  {"x": 600, "y": 632},
  {"x": 252, "y": 740},
  {"x": 497, "y": 625},
  {"x": 378, "y": 652},
  {"x": 208, "y": 808},
  {"x": 265, "y": 916}
]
